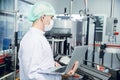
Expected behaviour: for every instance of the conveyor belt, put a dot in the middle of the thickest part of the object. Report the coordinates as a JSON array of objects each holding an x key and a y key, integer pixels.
[{"x": 89, "y": 71}]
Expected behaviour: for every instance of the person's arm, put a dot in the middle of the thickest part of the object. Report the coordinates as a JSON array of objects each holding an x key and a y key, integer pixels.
[{"x": 72, "y": 71}]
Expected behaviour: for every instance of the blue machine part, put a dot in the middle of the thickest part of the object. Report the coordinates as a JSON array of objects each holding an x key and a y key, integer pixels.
[{"x": 6, "y": 43}]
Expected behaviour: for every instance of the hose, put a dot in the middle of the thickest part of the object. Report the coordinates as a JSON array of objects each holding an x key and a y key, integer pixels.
[{"x": 118, "y": 57}]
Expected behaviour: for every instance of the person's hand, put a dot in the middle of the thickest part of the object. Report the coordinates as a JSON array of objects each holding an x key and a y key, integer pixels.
[
  {"x": 56, "y": 64},
  {"x": 72, "y": 71}
]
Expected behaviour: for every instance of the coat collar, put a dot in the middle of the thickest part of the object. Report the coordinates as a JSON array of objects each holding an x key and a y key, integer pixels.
[{"x": 38, "y": 30}]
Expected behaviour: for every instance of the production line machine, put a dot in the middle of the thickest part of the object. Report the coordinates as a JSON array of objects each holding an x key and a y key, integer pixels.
[
  {"x": 90, "y": 73},
  {"x": 6, "y": 61},
  {"x": 61, "y": 38},
  {"x": 87, "y": 72},
  {"x": 65, "y": 34}
]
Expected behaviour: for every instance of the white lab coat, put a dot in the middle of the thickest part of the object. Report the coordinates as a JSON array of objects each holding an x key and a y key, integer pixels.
[{"x": 35, "y": 57}]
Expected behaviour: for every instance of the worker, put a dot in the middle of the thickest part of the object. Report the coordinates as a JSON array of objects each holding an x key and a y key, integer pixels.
[{"x": 35, "y": 54}]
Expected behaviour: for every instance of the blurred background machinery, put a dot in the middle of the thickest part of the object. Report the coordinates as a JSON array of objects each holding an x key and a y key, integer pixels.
[{"x": 76, "y": 26}]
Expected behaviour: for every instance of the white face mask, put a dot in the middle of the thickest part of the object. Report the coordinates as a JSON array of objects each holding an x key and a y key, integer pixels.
[{"x": 50, "y": 26}]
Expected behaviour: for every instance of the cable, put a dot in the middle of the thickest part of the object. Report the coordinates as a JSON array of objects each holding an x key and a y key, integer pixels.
[{"x": 118, "y": 57}]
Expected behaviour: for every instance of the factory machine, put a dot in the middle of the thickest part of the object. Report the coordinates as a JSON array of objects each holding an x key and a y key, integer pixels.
[
  {"x": 6, "y": 63},
  {"x": 62, "y": 36},
  {"x": 68, "y": 33},
  {"x": 6, "y": 48},
  {"x": 65, "y": 34},
  {"x": 8, "y": 55}
]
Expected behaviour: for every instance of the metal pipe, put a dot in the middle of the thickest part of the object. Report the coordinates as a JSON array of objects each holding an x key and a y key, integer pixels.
[
  {"x": 15, "y": 31},
  {"x": 16, "y": 16},
  {"x": 15, "y": 58},
  {"x": 111, "y": 60},
  {"x": 10, "y": 74},
  {"x": 28, "y": 2},
  {"x": 87, "y": 38},
  {"x": 8, "y": 11},
  {"x": 71, "y": 4},
  {"x": 86, "y": 6},
  {"x": 112, "y": 8},
  {"x": 53, "y": 46},
  {"x": 93, "y": 53}
]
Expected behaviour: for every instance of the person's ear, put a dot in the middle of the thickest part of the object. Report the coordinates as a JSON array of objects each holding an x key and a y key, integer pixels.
[{"x": 42, "y": 18}]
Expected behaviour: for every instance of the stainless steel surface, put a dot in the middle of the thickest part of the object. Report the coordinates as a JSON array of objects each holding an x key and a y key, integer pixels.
[
  {"x": 112, "y": 8},
  {"x": 59, "y": 32},
  {"x": 8, "y": 11},
  {"x": 76, "y": 29},
  {"x": 109, "y": 26},
  {"x": 86, "y": 8},
  {"x": 71, "y": 4},
  {"x": 55, "y": 45},
  {"x": 90, "y": 71},
  {"x": 112, "y": 50},
  {"x": 63, "y": 23}
]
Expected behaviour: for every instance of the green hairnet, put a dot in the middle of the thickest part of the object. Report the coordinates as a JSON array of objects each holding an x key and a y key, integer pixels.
[{"x": 40, "y": 9}]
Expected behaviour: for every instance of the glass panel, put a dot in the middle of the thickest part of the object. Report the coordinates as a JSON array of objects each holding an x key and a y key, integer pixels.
[
  {"x": 6, "y": 29},
  {"x": 23, "y": 23},
  {"x": 7, "y": 4},
  {"x": 7, "y": 24}
]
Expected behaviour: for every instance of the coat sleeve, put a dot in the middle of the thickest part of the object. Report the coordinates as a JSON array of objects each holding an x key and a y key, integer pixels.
[{"x": 37, "y": 69}]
